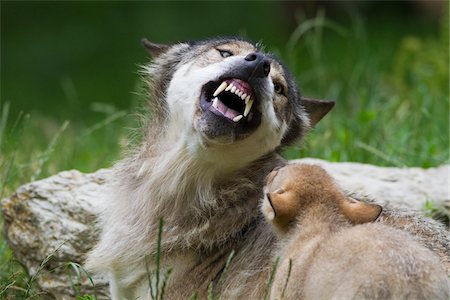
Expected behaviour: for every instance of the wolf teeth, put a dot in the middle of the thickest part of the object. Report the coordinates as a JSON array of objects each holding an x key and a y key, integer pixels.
[
  {"x": 224, "y": 86},
  {"x": 237, "y": 118},
  {"x": 248, "y": 106},
  {"x": 215, "y": 102},
  {"x": 233, "y": 89},
  {"x": 220, "y": 89}
]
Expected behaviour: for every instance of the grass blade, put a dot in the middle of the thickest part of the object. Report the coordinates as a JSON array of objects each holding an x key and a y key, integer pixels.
[
  {"x": 40, "y": 268},
  {"x": 164, "y": 282},
  {"x": 374, "y": 151},
  {"x": 271, "y": 277},
  {"x": 5, "y": 113},
  {"x": 44, "y": 157},
  {"x": 108, "y": 120},
  {"x": 287, "y": 278},
  {"x": 158, "y": 255}
]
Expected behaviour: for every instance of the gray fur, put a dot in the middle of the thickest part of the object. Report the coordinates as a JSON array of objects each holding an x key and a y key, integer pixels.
[{"x": 208, "y": 196}]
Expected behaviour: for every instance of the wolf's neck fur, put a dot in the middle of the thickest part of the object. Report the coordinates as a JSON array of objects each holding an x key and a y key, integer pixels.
[
  {"x": 202, "y": 202},
  {"x": 188, "y": 171}
]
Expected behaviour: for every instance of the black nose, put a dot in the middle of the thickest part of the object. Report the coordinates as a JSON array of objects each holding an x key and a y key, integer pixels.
[{"x": 258, "y": 64}]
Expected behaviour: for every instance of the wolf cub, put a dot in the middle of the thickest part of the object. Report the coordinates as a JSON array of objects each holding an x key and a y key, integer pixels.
[{"x": 329, "y": 247}]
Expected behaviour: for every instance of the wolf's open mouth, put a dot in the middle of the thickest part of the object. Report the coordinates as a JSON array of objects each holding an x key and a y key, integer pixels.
[{"x": 232, "y": 99}]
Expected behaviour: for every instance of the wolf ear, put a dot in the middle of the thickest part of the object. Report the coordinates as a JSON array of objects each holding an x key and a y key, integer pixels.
[
  {"x": 359, "y": 212},
  {"x": 316, "y": 109},
  {"x": 154, "y": 49}
]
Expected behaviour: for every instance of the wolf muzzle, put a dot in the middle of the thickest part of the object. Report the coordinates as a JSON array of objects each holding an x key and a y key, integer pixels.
[{"x": 256, "y": 65}]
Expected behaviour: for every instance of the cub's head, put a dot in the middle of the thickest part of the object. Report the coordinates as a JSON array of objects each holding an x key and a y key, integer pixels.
[
  {"x": 227, "y": 91},
  {"x": 299, "y": 189}
]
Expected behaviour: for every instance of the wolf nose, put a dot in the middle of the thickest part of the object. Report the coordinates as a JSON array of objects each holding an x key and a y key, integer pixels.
[{"x": 258, "y": 63}]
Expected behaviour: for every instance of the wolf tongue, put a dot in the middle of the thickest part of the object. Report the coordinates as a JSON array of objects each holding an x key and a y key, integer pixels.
[
  {"x": 231, "y": 114},
  {"x": 224, "y": 110}
]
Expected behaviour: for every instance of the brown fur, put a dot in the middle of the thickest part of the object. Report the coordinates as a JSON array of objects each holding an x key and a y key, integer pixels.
[
  {"x": 330, "y": 256},
  {"x": 209, "y": 201}
]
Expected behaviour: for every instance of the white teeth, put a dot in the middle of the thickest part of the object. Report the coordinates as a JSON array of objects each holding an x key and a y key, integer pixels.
[
  {"x": 237, "y": 118},
  {"x": 248, "y": 106},
  {"x": 224, "y": 86},
  {"x": 215, "y": 104},
  {"x": 220, "y": 89}
]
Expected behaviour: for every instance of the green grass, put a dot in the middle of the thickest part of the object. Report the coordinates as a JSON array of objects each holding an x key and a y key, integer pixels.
[
  {"x": 157, "y": 283},
  {"x": 391, "y": 109},
  {"x": 34, "y": 147}
]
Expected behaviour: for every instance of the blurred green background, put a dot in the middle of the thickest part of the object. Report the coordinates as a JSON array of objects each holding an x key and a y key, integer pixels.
[
  {"x": 69, "y": 83},
  {"x": 70, "y": 89}
]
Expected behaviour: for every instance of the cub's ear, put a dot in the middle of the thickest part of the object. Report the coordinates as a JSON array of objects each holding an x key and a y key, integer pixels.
[
  {"x": 284, "y": 206},
  {"x": 316, "y": 109},
  {"x": 359, "y": 212},
  {"x": 154, "y": 49}
]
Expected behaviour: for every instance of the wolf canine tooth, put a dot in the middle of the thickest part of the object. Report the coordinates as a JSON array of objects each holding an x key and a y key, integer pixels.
[
  {"x": 220, "y": 89},
  {"x": 237, "y": 118},
  {"x": 215, "y": 102},
  {"x": 247, "y": 99},
  {"x": 248, "y": 106}
]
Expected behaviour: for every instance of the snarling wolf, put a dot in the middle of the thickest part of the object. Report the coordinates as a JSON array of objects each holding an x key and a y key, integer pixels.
[{"x": 220, "y": 111}]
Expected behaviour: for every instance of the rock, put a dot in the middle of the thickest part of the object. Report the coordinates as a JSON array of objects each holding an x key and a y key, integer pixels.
[
  {"x": 54, "y": 219},
  {"x": 403, "y": 187}
]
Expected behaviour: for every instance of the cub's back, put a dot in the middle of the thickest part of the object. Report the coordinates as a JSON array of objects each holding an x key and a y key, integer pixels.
[{"x": 377, "y": 262}]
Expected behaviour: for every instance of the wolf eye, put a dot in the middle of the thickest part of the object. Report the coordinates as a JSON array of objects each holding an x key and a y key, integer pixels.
[
  {"x": 278, "y": 88},
  {"x": 225, "y": 53}
]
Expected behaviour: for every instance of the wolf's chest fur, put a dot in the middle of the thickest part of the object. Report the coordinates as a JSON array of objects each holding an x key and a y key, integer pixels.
[{"x": 206, "y": 216}]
